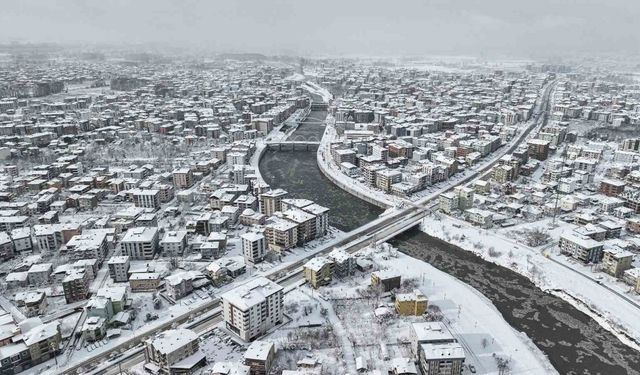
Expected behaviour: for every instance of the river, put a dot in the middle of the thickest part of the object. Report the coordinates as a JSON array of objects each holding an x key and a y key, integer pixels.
[{"x": 574, "y": 343}]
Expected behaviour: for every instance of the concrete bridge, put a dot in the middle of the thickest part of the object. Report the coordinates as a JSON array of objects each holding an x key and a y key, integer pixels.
[
  {"x": 293, "y": 145},
  {"x": 319, "y": 106}
]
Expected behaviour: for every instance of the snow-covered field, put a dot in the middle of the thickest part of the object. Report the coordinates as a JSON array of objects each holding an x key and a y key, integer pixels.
[
  {"x": 543, "y": 267},
  {"x": 336, "y": 324}
]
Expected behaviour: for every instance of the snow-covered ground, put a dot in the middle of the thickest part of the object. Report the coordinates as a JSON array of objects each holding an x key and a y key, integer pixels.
[
  {"x": 337, "y": 323},
  {"x": 545, "y": 267}
]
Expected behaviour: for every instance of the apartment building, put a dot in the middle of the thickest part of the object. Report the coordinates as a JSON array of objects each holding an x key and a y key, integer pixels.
[
  {"x": 281, "y": 234},
  {"x": 140, "y": 243},
  {"x": 305, "y": 224},
  {"x": 437, "y": 351},
  {"x": 318, "y": 271},
  {"x": 144, "y": 281},
  {"x": 175, "y": 351},
  {"x": 582, "y": 248},
  {"x": 147, "y": 198},
  {"x": 253, "y": 308},
  {"x": 32, "y": 303},
  {"x": 616, "y": 261},
  {"x": 119, "y": 268},
  {"x": 271, "y": 201},
  {"x": 76, "y": 285},
  {"x": 40, "y": 274},
  {"x": 448, "y": 202},
  {"x": 259, "y": 357},
  {"x": 413, "y": 303},
  {"x": 174, "y": 243},
  {"x": 538, "y": 149},
  {"x": 387, "y": 177},
  {"x": 442, "y": 359},
  {"x": 183, "y": 178},
  {"x": 612, "y": 188},
  {"x": 91, "y": 244},
  {"x": 254, "y": 247}
]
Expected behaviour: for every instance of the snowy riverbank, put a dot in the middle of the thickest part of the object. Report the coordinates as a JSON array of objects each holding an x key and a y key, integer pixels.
[{"x": 610, "y": 310}]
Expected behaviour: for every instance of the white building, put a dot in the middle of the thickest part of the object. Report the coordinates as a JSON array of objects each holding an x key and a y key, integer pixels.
[
  {"x": 251, "y": 309},
  {"x": 254, "y": 247},
  {"x": 174, "y": 243},
  {"x": 147, "y": 198},
  {"x": 140, "y": 242},
  {"x": 119, "y": 268}
]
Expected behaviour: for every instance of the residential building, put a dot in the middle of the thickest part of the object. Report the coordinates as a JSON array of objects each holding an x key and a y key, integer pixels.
[
  {"x": 259, "y": 357},
  {"x": 414, "y": 303},
  {"x": 612, "y": 188},
  {"x": 119, "y": 268},
  {"x": 386, "y": 279},
  {"x": 442, "y": 359},
  {"x": 253, "y": 308},
  {"x": 144, "y": 281},
  {"x": 147, "y": 198},
  {"x": 271, "y": 201},
  {"x": 581, "y": 248},
  {"x": 183, "y": 178},
  {"x": 75, "y": 285},
  {"x": 254, "y": 247},
  {"x": 616, "y": 261},
  {"x": 174, "y": 243},
  {"x": 174, "y": 351},
  {"x": 318, "y": 271},
  {"x": 281, "y": 234},
  {"x": 140, "y": 243}
]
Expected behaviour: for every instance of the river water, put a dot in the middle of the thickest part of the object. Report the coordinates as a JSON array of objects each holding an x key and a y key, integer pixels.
[{"x": 574, "y": 343}]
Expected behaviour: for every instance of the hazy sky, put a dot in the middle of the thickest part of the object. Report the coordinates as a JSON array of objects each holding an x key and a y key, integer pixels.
[{"x": 372, "y": 27}]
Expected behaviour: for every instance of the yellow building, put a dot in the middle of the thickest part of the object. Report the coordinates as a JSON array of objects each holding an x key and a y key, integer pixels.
[
  {"x": 318, "y": 271},
  {"x": 616, "y": 261},
  {"x": 414, "y": 303}
]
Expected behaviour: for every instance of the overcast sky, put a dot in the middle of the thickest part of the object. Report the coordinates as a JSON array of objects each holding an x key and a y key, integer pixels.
[{"x": 337, "y": 27}]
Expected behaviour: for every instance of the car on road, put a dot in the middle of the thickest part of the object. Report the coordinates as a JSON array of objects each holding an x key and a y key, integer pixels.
[{"x": 472, "y": 368}]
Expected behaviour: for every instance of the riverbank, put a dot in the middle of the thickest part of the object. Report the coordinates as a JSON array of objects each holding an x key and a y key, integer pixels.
[
  {"x": 612, "y": 312},
  {"x": 331, "y": 171},
  {"x": 471, "y": 317}
]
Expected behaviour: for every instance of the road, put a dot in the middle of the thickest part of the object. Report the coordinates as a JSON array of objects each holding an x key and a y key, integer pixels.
[{"x": 378, "y": 230}]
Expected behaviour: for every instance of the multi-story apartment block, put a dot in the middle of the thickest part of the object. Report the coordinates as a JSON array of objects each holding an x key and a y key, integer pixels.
[
  {"x": 32, "y": 303},
  {"x": 612, "y": 188},
  {"x": 175, "y": 351},
  {"x": 318, "y": 271},
  {"x": 259, "y": 357},
  {"x": 616, "y": 261},
  {"x": 91, "y": 244},
  {"x": 271, "y": 201},
  {"x": 254, "y": 247},
  {"x": 140, "y": 243},
  {"x": 253, "y": 308},
  {"x": 119, "y": 268},
  {"x": 174, "y": 243},
  {"x": 580, "y": 247},
  {"x": 183, "y": 178},
  {"x": 281, "y": 234},
  {"x": 538, "y": 149},
  {"x": 387, "y": 177},
  {"x": 40, "y": 274},
  {"x": 414, "y": 303},
  {"x": 76, "y": 285},
  {"x": 148, "y": 198}
]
